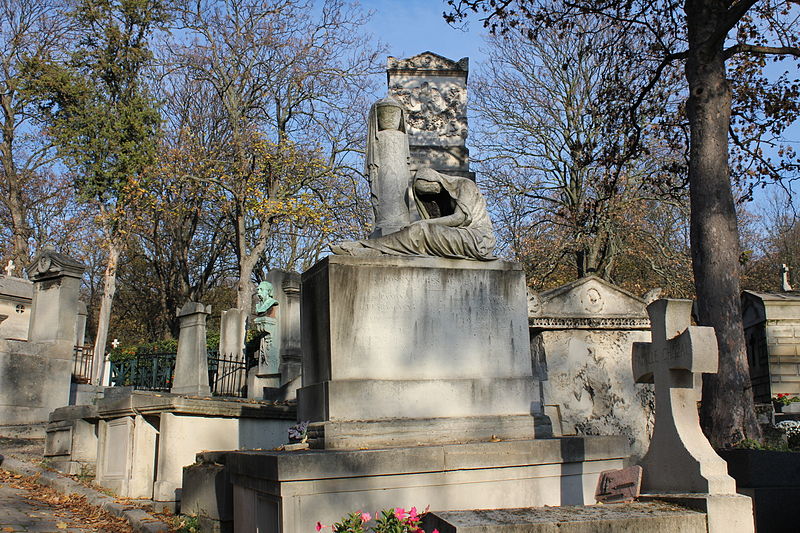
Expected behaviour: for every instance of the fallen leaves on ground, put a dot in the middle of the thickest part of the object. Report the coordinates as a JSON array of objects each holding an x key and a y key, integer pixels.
[{"x": 73, "y": 510}]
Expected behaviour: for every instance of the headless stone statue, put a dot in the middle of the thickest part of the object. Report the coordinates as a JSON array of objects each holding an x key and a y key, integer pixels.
[{"x": 387, "y": 166}]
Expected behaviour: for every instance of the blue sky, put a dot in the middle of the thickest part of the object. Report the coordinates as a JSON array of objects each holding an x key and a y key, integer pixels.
[{"x": 409, "y": 27}]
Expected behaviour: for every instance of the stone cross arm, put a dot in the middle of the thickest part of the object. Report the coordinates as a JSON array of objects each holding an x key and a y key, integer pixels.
[{"x": 676, "y": 345}]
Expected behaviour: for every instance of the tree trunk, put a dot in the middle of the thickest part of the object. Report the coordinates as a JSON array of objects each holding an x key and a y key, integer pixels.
[
  {"x": 104, "y": 316},
  {"x": 727, "y": 412},
  {"x": 15, "y": 200}
]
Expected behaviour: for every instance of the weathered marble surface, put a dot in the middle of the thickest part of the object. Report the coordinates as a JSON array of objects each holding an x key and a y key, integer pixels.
[
  {"x": 582, "y": 334},
  {"x": 191, "y": 361},
  {"x": 390, "y": 338}
]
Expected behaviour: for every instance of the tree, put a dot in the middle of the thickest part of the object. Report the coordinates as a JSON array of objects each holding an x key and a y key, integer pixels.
[
  {"x": 278, "y": 78},
  {"x": 103, "y": 120},
  {"x": 31, "y": 32},
  {"x": 563, "y": 167},
  {"x": 703, "y": 35}
]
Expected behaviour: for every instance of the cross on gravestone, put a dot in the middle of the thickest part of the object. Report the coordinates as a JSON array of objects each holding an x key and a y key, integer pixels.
[
  {"x": 115, "y": 343},
  {"x": 680, "y": 458},
  {"x": 785, "y": 285}
]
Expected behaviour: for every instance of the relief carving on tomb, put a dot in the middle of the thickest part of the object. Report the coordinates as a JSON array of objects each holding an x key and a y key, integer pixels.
[{"x": 434, "y": 109}]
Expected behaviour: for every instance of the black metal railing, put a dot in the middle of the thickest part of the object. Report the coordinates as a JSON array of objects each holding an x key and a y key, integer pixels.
[
  {"x": 82, "y": 364},
  {"x": 155, "y": 372},
  {"x": 147, "y": 371},
  {"x": 227, "y": 377}
]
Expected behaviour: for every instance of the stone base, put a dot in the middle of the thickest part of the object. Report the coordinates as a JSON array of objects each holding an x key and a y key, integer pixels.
[
  {"x": 416, "y": 432},
  {"x": 399, "y": 346},
  {"x": 71, "y": 441},
  {"x": 145, "y": 439},
  {"x": 287, "y": 492},
  {"x": 726, "y": 513},
  {"x": 653, "y": 517}
]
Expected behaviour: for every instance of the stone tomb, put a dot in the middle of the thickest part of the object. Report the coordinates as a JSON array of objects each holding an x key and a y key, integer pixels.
[
  {"x": 145, "y": 439},
  {"x": 16, "y": 295},
  {"x": 581, "y": 339},
  {"x": 417, "y": 377},
  {"x": 35, "y": 374},
  {"x": 772, "y": 332}
]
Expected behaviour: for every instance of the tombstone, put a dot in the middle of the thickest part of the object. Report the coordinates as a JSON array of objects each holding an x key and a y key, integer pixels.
[
  {"x": 35, "y": 374},
  {"x": 680, "y": 459},
  {"x": 433, "y": 90},
  {"x": 16, "y": 296},
  {"x": 772, "y": 332},
  {"x": 232, "y": 330},
  {"x": 286, "y": 290},
  {"x": 581, "y": 337},
  {"x": 191, "y": 361},
  {"x": 71, "y": 439}
]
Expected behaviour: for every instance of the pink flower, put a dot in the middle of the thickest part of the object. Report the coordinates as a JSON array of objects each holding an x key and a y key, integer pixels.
[
  {"x": 435, "y": 531},
  {"x": 365, "y": 517},
  {"x": 412, "y": 514},
  {"x": 319, "y": 526},
  {"x": 400, "y": 513}
]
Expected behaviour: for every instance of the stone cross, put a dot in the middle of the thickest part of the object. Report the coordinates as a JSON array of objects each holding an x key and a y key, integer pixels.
[
  {"x": 785, "y": 285},
  {"x": 10, "y": 268},
  {"x": 115, "y": 343},
  {"x": 680, "y": 458}
]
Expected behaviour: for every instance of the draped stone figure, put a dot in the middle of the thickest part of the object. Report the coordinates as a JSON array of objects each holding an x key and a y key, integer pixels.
[
  {"x": 454, "y": 224},
  {"x": 387, "y": 166}
]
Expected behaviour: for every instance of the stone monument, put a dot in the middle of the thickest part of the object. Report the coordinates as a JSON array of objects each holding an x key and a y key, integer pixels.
[
  {"x": 287, "y": 290},
  {"x": 232, "y": 330},
  {"x": 772, "y": 332},
  {"x": 35, "y": 374},
  {"x": 191, "y": 361},
  {"x": 417, "y": 375},
  {"x": 433, "y": 89},
  {"x": 680, "y": 462},
  {"x": 581, "y": 338}
]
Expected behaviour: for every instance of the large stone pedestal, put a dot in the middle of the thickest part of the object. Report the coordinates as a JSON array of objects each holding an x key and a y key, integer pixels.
[
  {"x": 145, "y": 439},
  {"x": 402, "y": 351},
  {"x": 283, "y": 492}
]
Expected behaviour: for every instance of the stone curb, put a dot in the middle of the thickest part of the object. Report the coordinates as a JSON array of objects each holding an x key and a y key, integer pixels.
[{"x": 138, "y": 519}]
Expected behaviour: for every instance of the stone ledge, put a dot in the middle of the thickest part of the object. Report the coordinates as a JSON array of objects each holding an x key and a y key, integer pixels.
[
  {"x": 652, "y": 517},
  {"x": 362, "y": 434},
  {"x": 329, "y": 464},
  {"x": 145, "y": 403}
]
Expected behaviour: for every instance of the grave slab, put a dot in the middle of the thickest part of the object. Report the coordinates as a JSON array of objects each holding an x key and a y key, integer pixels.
[{"x": 654, "y": 517}]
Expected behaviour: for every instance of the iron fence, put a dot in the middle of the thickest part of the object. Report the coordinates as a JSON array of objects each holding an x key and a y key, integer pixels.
[
  {"x": 155, "y": 372},
  {"x": 149, "y": 371},
  {"x": 227, "y": 377},
  {"x": 82, "y": 364}
]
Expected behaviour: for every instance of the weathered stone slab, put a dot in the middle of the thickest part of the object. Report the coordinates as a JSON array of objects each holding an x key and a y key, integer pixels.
[
  {"x": 291, "y": 491},
  {"x": 655, "y": 517}
]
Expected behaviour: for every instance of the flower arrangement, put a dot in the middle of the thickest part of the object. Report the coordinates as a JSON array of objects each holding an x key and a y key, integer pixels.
[
  {"x": 395, "y": 520},
  {"x": 784, "y": 398}
]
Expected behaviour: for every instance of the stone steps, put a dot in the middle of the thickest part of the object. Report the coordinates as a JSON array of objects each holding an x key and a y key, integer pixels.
[{"x": 650, "y": 517}]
